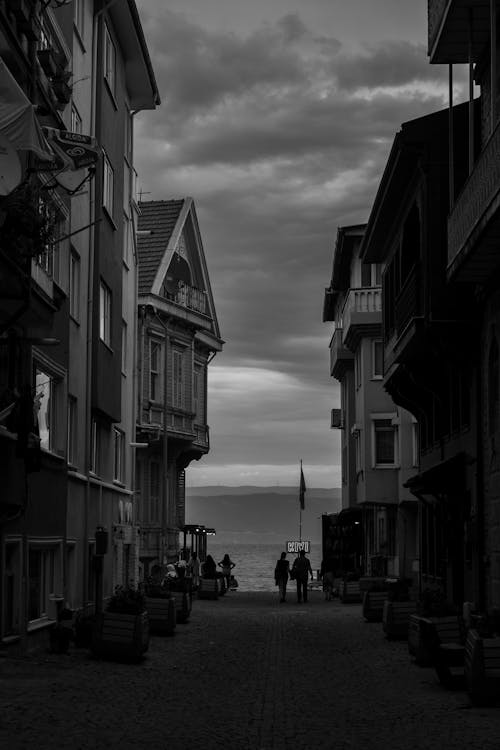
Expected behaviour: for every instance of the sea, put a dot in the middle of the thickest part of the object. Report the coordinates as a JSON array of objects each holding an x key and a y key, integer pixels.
[{"x": 255, "y": 563}]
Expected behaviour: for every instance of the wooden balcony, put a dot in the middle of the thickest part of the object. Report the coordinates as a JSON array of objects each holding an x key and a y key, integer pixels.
[
  {"x": 474, "y": 222},
  {"x": 341, "y": 358},
  {"x": 408, "y": 302},
  {"x": 448, "y": 29},
  {"x": 362, "y": 314}
]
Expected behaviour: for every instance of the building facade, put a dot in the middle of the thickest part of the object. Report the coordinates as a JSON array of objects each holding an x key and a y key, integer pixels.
[
  {"x": 377, "y": 436},
  {"x": 178, "y": 335},
  {"x": 67, "y": 416}
]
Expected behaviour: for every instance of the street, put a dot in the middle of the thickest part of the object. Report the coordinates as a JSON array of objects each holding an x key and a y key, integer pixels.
[{"x": 246, "y": 673}]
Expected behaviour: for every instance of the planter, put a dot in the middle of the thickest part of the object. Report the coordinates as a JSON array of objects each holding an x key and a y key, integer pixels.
[
  {"x": 161, "y": 614},
  {"x": 373, "y": 605},
  {"x": 396, "y": 618},
  {"x": 118, "y": 635},
  {"x": 350, "y": 592},
  {"x": 182, "y": 589},
  {"x": 208, "y": 588},
  {"x": 482, "y": 669}
]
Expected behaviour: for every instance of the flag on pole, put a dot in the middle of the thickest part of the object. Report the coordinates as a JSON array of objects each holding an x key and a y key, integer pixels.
[{"x": 302, "y": 488}]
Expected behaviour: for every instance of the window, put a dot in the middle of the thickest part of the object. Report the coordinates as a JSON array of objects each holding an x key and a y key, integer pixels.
[
  {"x": 384, "y": 442},
  {"x": 198, "y": 393},
  {"x": 108, "y": 185},
  {"x": 94, "y": 447},
  {"x": 105, "y": 314},
  {"x": 357, "y": 367},
  {"x": 74, "y": 285},
  {"x": 119, "y": 455},
  {"x": 52, "y": 228},
  {"x": 78, "y": 15},
  {"x": 154, "y": 492},
  {"x": 72, "y": 429},
  {"x": 178, "y": 384},
  {"x": 366, "y": 274},
  {"x": 155, "y": 358},
  {"x": 41, "y": 568},
  {"x": 377, "y": 359},
  {"x": 46, "y": 403},
  {"x": 415, "y": 443},
  {"x": 124, "y": 347},
  {"x": 76, "y": 120},
  {"x": 109, "y": 60}
]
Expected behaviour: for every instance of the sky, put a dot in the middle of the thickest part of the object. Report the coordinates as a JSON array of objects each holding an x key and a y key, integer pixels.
[{"x": 277, "y": 117}]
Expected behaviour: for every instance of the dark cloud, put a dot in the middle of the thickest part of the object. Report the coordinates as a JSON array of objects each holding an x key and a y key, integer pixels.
[{"x": 280, "y": 135}]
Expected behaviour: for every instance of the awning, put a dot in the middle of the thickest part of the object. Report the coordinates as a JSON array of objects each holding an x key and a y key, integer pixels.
[
  {"x": 18, "y": 122},
  {"x": 444, "y": 478}
]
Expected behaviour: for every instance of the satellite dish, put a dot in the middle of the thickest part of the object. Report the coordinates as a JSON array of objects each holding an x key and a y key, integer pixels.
[{"x": 10, "y": 167}]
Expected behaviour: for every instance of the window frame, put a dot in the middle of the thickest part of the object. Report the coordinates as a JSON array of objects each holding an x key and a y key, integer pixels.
[
  {"x": 156, "y": 373},
  {"x": 118, "y": 455},
  {"x": 178, "y": 379},
  {"x": 109, "y": 61},
  {"x": 387, "y": 418},
  {"x": 105, "y": 313},
  {"x": 45, "y": 582},
  {"x": 72, "y": 437},
  {"x": 108, "y": 185}
]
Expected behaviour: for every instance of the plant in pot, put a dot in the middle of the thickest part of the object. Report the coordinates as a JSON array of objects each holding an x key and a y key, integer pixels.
[{"x": 122, "y": 631}]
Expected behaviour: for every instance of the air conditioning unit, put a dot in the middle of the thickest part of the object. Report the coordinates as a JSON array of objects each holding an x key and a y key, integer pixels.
[{"x": 337, "y": 419}]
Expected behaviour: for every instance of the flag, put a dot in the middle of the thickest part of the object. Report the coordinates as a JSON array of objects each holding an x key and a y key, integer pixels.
[{"x": 302, "y": 488}]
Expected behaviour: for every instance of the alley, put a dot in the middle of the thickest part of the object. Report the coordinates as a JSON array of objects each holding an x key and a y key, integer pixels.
[{"x": 246, "y": 673}]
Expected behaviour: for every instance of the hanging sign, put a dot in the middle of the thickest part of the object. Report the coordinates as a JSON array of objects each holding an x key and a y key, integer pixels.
[
  {"x": 295, "y": 546},
  {"x": 74, "y": 149}
]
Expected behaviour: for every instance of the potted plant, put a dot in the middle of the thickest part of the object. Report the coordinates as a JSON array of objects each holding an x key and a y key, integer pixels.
[{"x": 122, "y": 631}]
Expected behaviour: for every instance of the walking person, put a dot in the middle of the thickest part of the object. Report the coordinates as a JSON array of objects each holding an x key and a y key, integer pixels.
[
  {"x": 301, "y": 569},
  {"x": 194, "y": 569},
  {"x": 281, "y": 573},
  {"x": 227, "y": 565}
]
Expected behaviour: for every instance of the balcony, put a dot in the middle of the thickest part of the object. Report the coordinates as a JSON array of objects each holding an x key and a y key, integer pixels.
[
  {"x": 362, "y": 314},
  {"x": 194, "y": 299},
  {"x": 408, "y": 302},
  {"x": 341, "y": 358},
  {"x": 474, "y": 223},
  {"x": 448, "y": 29}
]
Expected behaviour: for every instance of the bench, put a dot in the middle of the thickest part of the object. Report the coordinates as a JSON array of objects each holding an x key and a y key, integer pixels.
[
  {"x": 443, "y": 641},
  {"x": 208, "y": 588},
  {"x": 396, "y": 618},
  {"x": 162, "y": 615},
  {"x": 482, "y": 669},
  {"x": 373, "y": 605},
  {"x": 350, "y": 592}
]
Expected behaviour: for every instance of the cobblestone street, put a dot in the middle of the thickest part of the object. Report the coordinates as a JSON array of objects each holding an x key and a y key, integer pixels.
[{"x": 246, "y": 673}]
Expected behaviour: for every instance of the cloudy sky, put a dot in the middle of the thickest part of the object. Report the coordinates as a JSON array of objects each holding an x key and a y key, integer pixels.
[{"x": 277, "y": 117}]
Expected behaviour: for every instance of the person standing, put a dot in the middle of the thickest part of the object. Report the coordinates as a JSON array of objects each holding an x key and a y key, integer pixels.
[
  {"x": 327, "y": 573},
  {"x": 281, "y": 572},
  {"x": 194, "y": 569},
  {"x": 301, "y": 568},
  {"x": 227, "y": 565}
]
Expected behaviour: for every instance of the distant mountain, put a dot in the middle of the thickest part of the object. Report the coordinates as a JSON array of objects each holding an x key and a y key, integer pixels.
[{"x": 260, "y": 514}]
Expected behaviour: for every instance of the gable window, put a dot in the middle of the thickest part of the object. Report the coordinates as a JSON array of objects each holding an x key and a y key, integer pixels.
[
  {"x": 178, "y": 375},
  {"x": 384, "y": 442},
  {"x": 109, "y": 60},
  {"x": 108, "y": 185},
  {"x": 377, "y": 359},
  {"x": 105, "y": 313},
  {"x": 74, "y": 285},
  {"x": 119, "y": 455}
]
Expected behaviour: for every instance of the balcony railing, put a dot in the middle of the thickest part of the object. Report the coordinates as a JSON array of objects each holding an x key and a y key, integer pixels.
[
  {"x": 476, "y": 205},
  {"x": 340, "y": 356},
  {"x": 190, "y": 297},
  {"x": 362, "y": 308}
]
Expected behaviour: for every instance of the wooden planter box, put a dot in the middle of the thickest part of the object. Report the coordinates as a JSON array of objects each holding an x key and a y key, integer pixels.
[
  {"x": 182, "y": 589},
  {"x": 208, "y": 588},
  {"x": 373, "y": 605},
  {"x": 396, "y": 618},
  {"x": 350, "y": 592},
  {"x": 438, "y": 641},
  {"x": 482, "y": 669},
  {"x": 161, "y": 614},
  {"x": 117, "y": 635}
]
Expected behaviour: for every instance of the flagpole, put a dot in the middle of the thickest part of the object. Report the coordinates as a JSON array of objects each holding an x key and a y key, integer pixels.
[{"x": 300, "y": 508}]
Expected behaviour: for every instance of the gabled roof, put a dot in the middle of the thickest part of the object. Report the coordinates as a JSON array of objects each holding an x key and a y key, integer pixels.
[
  {"x": 170, "y": 252},
  {"x": 348, "y": 238},
  {"x": 158, "y": 218}
]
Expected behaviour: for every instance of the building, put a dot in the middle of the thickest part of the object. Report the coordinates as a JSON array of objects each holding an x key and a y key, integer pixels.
[
  {"x": 68, "y": 278},
  {"x": 178, "y": 336},
  {"x": 377, "y": 436},
  {"x": 469, "y": 35}
]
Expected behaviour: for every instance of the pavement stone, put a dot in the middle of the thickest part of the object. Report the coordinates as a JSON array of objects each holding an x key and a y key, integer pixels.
[{"x": 245, "y": 673}]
